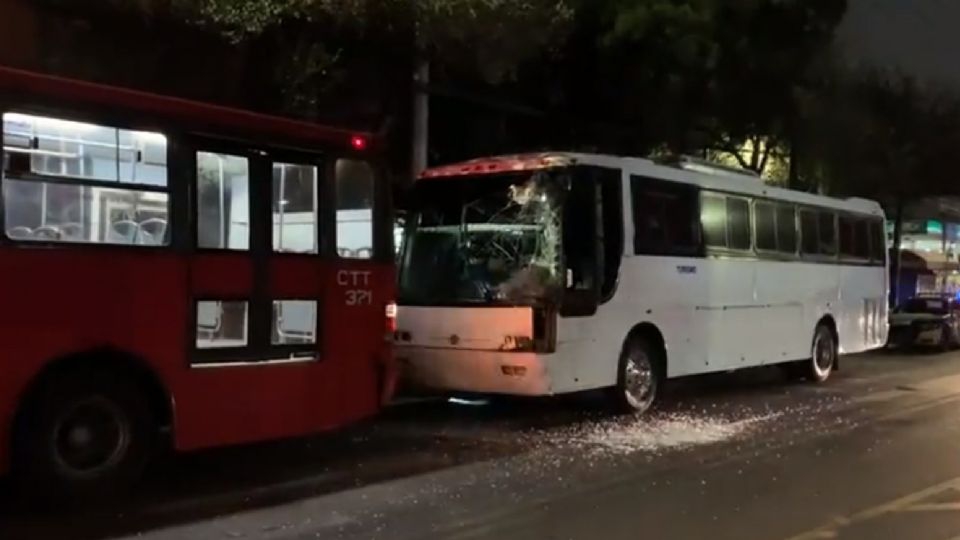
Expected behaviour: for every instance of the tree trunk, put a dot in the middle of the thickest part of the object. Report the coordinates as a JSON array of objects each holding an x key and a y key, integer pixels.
[{"x": 421, "y": 116}]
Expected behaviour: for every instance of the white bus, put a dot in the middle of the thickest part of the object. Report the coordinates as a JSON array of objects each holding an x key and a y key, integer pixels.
[{"x": 554, "y": 273}]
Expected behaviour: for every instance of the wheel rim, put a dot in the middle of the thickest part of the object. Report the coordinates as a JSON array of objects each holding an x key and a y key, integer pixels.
[
  {"x": 823, "y": 353},
  {"x": 638, "y": 380},
  {"x": 91, "y": 436}
]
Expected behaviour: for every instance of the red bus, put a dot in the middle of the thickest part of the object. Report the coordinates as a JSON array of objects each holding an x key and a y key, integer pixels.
[{"x": 182, "y": 273}]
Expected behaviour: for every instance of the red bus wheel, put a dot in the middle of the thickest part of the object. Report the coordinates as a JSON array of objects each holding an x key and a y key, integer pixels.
[{"x": 83, "y": 436}]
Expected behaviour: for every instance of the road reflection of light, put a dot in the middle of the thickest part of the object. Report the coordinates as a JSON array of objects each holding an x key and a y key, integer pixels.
[{"x": 468, "y": 402}]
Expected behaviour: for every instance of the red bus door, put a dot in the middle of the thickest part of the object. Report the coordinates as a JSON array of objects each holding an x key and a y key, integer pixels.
[{"x": 255, "y": 285}]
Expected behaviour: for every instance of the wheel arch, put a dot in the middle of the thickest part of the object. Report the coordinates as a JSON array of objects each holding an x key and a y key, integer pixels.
[
  {"x": 110, "y": 359},
  {"x": 650, "y": 333}
]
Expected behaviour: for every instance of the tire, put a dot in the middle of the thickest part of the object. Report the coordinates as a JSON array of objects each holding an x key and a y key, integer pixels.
[
  {"x": 639, "y": 378},
  {"x": 823, "y": 355},
  {"x": 946, "y": 340},
  {"x": 83, "y": 437}
]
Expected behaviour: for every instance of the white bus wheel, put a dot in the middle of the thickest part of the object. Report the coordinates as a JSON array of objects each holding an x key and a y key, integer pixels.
[
  {"x": 823, "y": 354},
  {"x": 639, "y": 378}
]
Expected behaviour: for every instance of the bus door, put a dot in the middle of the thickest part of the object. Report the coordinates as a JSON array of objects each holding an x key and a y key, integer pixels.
[{"x": 254, "y": 283}]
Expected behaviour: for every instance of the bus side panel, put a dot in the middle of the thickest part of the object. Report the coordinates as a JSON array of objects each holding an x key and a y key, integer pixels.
[
  {"x": 8, "y": 405},
  {"x": 728, "y": 314},
  {"x": 222, "y": 405},
  {"x": 62, "y": 301},
  {"x": 861, "y": 319},
  {"x": 355, "y": 332},
  {"x": 782, "y": 288},
  {"x": 822, "y": 298},
  {"x": 660, "y": 291}
]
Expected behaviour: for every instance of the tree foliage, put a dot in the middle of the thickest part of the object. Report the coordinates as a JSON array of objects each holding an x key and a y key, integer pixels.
[
  {"x": 884, "y": 136},
  {"x": 741, "y": 80},
  {"x": 714, "y": 74},
  {"x": 489, "y": 36}
]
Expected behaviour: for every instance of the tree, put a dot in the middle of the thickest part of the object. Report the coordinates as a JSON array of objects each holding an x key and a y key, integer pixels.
[
  {"x": 693, "y": 75},
  {"x": 884, "y": 136}
]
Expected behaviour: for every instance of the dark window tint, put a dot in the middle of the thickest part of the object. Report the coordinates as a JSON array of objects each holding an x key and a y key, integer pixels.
[
  {"x": 861, "y": 239},
  {"x": 665, "y": 217},
  {"x": 738, "y": 223},
  {"x": 828, "y": 233},
  {"x": 808, "y": 232},
  {"x": 845, "y": 226},
  {"x": 787, "y": 228},
  {"x": 765, "y": 216},
  {"x": 878, "y": 241},
  {"x": 713, "y": 216}
]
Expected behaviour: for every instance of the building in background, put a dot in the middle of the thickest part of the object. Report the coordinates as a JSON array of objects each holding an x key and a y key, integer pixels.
[{"x": 930, "y": 248}]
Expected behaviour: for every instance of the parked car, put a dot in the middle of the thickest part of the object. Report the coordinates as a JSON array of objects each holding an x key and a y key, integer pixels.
[{"x": 926, "y": 321}]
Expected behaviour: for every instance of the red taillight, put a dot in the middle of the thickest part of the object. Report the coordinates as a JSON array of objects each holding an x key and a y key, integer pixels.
[
  {"x": 391, "y": 316},
  {"x": 358, "y": 143}
]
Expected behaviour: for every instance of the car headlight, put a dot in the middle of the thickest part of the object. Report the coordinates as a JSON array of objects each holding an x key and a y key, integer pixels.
[{"x": 928, "y": 326}]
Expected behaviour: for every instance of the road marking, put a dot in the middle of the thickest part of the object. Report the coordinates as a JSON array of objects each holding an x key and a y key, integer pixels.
[
  {"x": 907, "y": 503},
  {"x": 936, "y": 507},
  {"x": 885, "y": 395}
]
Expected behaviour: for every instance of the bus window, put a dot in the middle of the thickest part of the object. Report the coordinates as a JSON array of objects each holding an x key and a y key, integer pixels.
[
  {"x": 713, "y": 216},
  {"x": 221, "y": 325},
  {"x": 294, "y": 208},
  {"x": 765, "y": 222},
  {"x": 828, "y": 233},
  {"x": 786, "y": 228},
  {"x": 808, "y": 232},
  {"x": 665, "y": 218},
  {"x": 223, "y": 217},
  {"x": 861, "y": 239},
  {"x": 54, "y": 176},
  {"x": 294, "y": 322},
  {"x": 611, "y": 193},
  {"x": 845, "y": 226},
  {"x": 64, "y": 148},
  {"x": 738, "y": 223},
  {"x": 355, "y": 191},
  {"x": 878, "y": 241}
]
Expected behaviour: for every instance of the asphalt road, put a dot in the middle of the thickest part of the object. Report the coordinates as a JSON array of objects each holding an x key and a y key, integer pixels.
[{"x": 874, "y": 453}]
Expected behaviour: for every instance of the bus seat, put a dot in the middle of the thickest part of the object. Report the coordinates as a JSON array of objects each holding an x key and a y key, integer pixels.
[
  {"x": 209, "y": 317},
  {"x": 152, "y": 232},
  {"x": 122, "y": 232},
  {"x": 47, "y": 232},
  {"x": 20, "y": 233},
  {"x": 296, "y": 322}
]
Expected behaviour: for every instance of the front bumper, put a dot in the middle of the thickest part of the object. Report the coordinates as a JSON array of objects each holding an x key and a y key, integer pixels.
[
  {"x": 904, "y": 336},
  {"x": 473, "y": 371}
]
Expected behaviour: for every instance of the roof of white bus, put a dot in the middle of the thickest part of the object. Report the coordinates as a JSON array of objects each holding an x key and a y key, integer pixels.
[{"x": 719, "y": 181}]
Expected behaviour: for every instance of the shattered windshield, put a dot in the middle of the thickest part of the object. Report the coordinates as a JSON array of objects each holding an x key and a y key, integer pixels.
[{"x": 485, "y": 239}]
